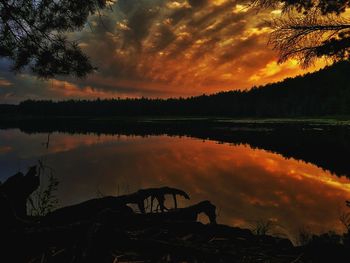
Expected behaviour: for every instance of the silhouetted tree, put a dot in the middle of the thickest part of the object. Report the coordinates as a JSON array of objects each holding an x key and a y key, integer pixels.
[
  {"x": 33, "y": 33},
  {"x": 326, "y": 92},
  {"x": 310, "y": 29}
]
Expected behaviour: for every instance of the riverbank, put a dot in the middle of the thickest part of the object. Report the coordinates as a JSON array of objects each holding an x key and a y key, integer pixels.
[{"x": 327, "y": 120}]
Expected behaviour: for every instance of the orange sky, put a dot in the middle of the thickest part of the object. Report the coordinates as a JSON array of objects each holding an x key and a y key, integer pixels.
[{"x": 166, "y": 48}]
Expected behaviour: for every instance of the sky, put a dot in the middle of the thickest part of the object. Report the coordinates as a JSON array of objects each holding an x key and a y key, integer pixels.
[{"x": 165, "y": 48}]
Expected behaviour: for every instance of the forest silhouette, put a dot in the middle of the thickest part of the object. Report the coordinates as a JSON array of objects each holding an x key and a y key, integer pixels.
[{"x": 326, "y": 92}]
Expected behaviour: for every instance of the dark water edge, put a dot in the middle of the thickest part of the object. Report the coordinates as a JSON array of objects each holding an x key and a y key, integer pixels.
[{"x": 325, "y": 143}]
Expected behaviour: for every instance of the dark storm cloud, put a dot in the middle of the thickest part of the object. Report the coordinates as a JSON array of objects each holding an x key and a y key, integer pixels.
[
  {"x": 238, "y": 49},
  {"x": 164, "y": 48},
  {"x": 197, "y": 3}
]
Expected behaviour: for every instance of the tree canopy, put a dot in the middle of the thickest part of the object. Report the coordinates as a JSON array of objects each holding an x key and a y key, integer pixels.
[
  {"x": 325, "y": 6},
  {"x": 322, "y": 93},
  {"x": 310, "y": 29},
  {"x": 33, "y": 35}
]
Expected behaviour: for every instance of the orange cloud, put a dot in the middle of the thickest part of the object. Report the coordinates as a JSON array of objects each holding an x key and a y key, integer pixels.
[
  {"x": 71, "y": 90},
  {"x": 5, "y": 83},
  {"x": 184, "y": 48},
  {"x": 168, "y": 48}
]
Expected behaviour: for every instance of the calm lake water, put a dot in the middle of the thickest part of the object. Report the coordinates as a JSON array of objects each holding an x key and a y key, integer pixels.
[{"x": 245, "y": 184}]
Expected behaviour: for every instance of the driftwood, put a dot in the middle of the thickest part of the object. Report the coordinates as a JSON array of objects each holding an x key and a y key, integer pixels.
[
  {"x": 158, "y": 194},
  {"x": 187, "y": 214},
  {"x": 89, "y": 209},
  {"x": 108, "y": 230}
]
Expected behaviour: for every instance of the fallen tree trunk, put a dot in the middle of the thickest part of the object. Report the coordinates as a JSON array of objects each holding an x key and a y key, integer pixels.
[
  {"x": 89, "y": 209},
  {"x": 111, "y": 209}
]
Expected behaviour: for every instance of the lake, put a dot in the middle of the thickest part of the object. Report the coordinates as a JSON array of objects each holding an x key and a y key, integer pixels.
[{"x": 245, "y": 180}]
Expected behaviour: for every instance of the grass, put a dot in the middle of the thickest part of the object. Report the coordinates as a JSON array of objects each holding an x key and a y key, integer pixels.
[{"x": 44, "y": 199}]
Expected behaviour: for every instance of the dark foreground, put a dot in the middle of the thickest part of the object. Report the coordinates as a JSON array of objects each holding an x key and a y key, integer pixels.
[{"x": 107, "y": 229}]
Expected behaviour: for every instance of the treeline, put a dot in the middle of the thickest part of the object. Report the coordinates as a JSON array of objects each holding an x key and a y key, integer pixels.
[{"x": 326, "y": 92}]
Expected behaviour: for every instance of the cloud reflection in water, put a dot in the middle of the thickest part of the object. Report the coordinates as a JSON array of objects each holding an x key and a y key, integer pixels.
[{"x": 246, "y": 184}]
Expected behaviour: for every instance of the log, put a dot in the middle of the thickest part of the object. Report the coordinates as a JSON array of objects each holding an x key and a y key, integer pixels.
[
  {"x": 187, "y": 214},
  {"x": 89, "y": 209}
]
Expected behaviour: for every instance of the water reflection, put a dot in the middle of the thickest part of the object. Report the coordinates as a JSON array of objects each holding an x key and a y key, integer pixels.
[{"x": 246, "y": 184}]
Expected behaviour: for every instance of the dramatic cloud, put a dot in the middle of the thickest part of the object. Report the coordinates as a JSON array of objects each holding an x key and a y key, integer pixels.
[{"x": 163, "y": 48}]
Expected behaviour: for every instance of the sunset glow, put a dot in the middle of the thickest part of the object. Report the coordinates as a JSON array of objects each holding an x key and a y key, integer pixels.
[
  {"x": 166, "y": 48},
  {"x": 175, "y": 131}
]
